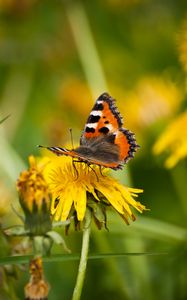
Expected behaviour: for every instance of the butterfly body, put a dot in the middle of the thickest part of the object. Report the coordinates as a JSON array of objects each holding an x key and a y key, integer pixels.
[{"x": 104, "y": 141}]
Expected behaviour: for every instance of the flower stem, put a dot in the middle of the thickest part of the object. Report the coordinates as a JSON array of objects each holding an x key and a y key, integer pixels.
[
  {"x": 37, "y": 243},
  {"x": 84, "y": 257}
]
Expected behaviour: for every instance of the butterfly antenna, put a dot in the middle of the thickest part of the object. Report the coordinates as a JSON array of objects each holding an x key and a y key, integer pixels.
[{"x": 71, "y": 136}]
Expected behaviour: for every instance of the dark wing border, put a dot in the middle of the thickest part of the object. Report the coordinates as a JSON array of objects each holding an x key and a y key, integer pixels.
[{"x": 111, "y": 102}]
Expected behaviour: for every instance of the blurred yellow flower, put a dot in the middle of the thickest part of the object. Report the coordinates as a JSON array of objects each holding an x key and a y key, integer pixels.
[
  {"x": 37, "y": 288},
  {"x": 174, "y": 141},
  {"x": 75, "y": 97},
  {"x": 152, "y": 99},
  {"x": 71, "y": 183}
]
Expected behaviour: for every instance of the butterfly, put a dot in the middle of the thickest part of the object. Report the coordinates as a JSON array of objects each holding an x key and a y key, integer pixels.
[{"x": 104, "y": 141}]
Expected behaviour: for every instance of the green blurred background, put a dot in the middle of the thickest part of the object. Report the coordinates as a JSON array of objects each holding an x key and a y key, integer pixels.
[{"x": 56, "y": 58}]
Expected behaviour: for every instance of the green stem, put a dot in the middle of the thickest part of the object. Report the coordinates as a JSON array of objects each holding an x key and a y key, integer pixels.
[
  {"x": 37, "y": 242},
  {"x": 84, "y": 257},
  {"x": 86, "y": 47}
]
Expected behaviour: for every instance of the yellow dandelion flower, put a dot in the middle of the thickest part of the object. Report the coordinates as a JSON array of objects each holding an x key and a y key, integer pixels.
[
  {"x": 37, "y": 288},
  {"x": 35, "y": 198},
  {"x": 32, "y": 186},
  {"x": 72, "y": 183},
  {"x": 174, "y": 141}
]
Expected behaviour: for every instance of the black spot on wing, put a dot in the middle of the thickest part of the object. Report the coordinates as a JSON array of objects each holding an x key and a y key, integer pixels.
[
  {"x": 98, "y": 106},
  {"x": 104, "y": 130},
  {"x": 89, "y": 129},
  {"x": 106, "y": 122},
  {"x": 93, "y": 119}
]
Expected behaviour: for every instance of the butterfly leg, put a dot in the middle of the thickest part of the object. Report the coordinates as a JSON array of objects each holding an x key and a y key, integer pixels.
[
  {"x": 100, "y": 170},
  {"x": 89, "y": 166},
  {"x": 75, "y": 169}
]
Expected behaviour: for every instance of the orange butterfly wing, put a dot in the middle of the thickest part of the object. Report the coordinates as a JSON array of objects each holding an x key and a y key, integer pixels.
[{"x": 105, "y": 119}]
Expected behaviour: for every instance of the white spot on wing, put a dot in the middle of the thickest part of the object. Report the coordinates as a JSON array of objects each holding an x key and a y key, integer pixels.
[
  {"x": 110, "y": 127},
  {"x": 96, "y": 113},
  {"x": 91, "y": 125}
]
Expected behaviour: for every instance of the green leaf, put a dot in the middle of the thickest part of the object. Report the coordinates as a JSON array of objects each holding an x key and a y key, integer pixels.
[
  {"x": 70, "y": 257},
  {"x": 150, "y": 227},
  {"x": 58, "y": 239},
  {"x": 17, "y": 230},
  {"x": 61, "y": 223}
]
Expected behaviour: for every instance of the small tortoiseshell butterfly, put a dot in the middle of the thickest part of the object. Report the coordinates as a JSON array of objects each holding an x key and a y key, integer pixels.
[{"x": 104, "y": 141}]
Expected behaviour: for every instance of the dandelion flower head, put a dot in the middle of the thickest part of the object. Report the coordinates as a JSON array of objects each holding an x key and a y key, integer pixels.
[
  {"x": 32, "y": 186},
  {"x": 70, "y": 183}
]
